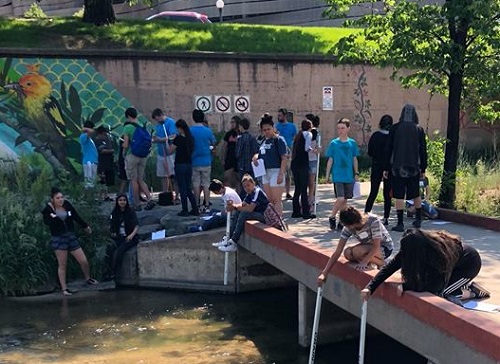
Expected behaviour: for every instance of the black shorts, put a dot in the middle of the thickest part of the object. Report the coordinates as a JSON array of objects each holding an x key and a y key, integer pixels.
[{"x": 405, "y": 186}]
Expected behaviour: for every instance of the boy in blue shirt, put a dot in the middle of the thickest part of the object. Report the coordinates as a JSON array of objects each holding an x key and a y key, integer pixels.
[
  {"x": 342, "y": 155},
  {"x": 90, "y": 156},
  {"x": 288, "y": 131}
]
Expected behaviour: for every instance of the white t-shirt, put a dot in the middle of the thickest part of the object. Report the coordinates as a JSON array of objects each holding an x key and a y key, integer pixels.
[{"x": 230, "y": 195}]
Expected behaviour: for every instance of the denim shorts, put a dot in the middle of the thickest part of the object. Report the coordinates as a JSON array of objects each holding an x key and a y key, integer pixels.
[{"x": 66, "y": 241}]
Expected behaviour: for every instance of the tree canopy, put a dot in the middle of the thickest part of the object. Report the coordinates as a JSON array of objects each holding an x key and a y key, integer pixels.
[{"x": 453, "y": 48}]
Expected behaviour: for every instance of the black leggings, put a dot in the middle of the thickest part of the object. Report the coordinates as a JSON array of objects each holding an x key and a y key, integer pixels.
[
  {"x": 301, "y": 180},
  {"x": 375, "y": 179},
  {"x": 116, "y": 250},
  {"x": 468, "y": 267}
]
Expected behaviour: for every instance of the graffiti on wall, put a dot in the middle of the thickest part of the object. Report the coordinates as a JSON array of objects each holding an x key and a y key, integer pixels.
[{"x": 44, "y": 103}]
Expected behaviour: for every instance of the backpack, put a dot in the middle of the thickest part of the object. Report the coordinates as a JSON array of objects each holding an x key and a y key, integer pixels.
[
  {"x": 273, "y": 219},
  {"x": 140, "y": 145}
]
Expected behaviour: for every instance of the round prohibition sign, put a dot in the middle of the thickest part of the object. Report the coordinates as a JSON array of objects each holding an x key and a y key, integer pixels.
[
  {"x": 241, "y": 104},
  {"x": 222, "y": 104},
  {"x": 203, "y": 104}
]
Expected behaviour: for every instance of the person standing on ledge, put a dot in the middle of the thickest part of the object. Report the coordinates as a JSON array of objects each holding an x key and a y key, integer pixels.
[
  {"x": 342, "y": 154},
  {"x": 60, "y": 216}
]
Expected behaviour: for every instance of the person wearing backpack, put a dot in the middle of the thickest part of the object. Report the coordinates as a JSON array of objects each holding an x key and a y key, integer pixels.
[{"x": 136, "y": 147}]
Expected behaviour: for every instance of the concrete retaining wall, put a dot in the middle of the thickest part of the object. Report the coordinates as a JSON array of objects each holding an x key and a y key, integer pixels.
[{"x": 189, "y": 262}]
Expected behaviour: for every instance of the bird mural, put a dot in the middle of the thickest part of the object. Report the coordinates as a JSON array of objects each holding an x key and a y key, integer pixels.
[{"x": 41, "y": 114}]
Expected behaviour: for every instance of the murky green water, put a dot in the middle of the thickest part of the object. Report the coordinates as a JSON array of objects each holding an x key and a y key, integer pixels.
[{"x": 132, "y": 326}]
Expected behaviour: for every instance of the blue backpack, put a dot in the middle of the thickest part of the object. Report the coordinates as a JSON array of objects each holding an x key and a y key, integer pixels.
[{"x": 140, "y": 145}]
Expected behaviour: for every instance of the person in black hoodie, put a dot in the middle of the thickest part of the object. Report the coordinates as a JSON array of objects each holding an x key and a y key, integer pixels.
[
  {"x": 433, "y": 261},
  {"x": 124, "y": 227},
  {"x": 300, "y": 170},
  {"x": 377, "y": 146},
  {"x": 59, "y": 215},
  {"x": 406, "y": 160}
]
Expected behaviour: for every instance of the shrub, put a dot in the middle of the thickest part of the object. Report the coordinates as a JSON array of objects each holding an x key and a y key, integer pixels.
[{"x": 34, "y": 12}]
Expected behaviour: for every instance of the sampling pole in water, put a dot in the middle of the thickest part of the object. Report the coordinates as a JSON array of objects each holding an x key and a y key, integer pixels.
[
  {"x": 362, "y": 332},
  {"x": 315, "y": 329},
  {"x": 226, "y": 254}
]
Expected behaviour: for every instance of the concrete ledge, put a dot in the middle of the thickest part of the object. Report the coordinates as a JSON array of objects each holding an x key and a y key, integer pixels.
[
  {"x": 480, "y": 334},
  {"x": 479, "y": 221}
]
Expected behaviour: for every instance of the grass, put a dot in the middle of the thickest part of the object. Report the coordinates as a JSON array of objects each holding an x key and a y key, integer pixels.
[{"x": 70, "y": 33}]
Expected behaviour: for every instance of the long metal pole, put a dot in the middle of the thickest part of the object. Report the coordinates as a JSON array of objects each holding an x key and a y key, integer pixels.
[
  {"x": 315, "y": 202},
  {"x": 315, "y": 329},
  {"x": 362, "y": 333},
  {"x": 226, "y": 254},
  {"x": 220, "y": 15}
]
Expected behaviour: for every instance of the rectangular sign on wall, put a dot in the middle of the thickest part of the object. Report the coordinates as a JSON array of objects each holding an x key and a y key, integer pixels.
[{"x": 327, "y": 98}]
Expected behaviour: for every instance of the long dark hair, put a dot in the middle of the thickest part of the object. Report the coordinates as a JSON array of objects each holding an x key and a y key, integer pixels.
[
  {"x": 181, "y": 124},
  {"x": 117, "y": 210},
  {"x": 298, "y": 141},
  {"x": 425, "y": 254}
]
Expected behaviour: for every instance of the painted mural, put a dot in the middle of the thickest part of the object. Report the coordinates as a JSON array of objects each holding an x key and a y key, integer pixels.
[{"x": 44, "y": 103}]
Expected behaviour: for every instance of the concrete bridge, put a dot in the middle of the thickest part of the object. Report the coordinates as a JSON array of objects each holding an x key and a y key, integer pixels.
[{"x": 267, "y": 258}]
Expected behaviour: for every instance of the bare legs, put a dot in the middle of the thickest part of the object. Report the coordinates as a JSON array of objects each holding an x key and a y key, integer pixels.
[
  {"x": 62, "y": 261},
  {"x": 274, "y": 194}
]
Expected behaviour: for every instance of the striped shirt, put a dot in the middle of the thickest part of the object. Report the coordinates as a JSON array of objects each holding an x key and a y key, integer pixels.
[{"x": 372, "y": 229}]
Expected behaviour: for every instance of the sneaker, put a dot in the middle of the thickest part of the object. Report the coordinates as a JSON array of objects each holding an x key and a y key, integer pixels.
[
  {"x": 295, "y": 215},
  {"x": 340, "y": 226},
  {"x": 229, "y": 247},
  {"x": 417, "y": 223},
  {"x": 194, "y": 212},
  {"x": 150, "y": 205},
  {"x": 92, "y": 281},
  {"x": 221, "y": 243},
  {"x": 309, "y": 217},
  {"x": 479, "y": 291},
  {"x": 398, "y": 227},
  {"x": 289, "y": 197},
  {"x": 333, "y": 223}
]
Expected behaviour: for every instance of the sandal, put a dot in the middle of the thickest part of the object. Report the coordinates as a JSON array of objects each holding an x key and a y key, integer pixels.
[
  {"x": 479, "y": 291},
  {"x": 67, "y": 292},
  {"x": 92, "y": 281}
]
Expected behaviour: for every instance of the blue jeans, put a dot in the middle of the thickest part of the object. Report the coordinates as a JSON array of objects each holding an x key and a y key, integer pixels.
[
  {"x": 183, "y": 175},
  {"x": 238, "y": 222}
]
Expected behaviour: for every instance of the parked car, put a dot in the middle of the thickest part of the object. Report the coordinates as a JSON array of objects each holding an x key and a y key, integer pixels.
[{"x": 189, "y": 16}]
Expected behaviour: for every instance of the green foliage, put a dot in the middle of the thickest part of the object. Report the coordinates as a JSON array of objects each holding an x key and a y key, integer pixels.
[
  {"x": 79, "y": 13},
  {"x": 174, "y": 37},
  {"x": 34, "y": 12},
  {"x": 27, "y": 262},
  {"x": 435, "y": 155}
]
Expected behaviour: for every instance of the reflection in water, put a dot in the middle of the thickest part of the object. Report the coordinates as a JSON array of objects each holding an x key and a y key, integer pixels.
[{"x": 131, "y": 326}]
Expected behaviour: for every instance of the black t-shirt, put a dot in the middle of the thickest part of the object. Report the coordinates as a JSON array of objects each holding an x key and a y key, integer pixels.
[
  {"x": 230, "y": 138},
  {"x": 182, "y": 153}
]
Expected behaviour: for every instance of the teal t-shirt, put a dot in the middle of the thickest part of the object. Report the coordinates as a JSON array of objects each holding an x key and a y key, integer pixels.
[{"x": 343, "y": 154}]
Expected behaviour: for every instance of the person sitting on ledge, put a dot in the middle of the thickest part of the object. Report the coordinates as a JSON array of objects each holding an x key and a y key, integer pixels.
[
  {"x": 434, "y": 261},
  {"x": 375, "y": 242},
  {"x": 252, "y": 208}
]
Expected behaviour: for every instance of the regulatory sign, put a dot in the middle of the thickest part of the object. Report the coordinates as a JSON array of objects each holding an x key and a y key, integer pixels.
[
  {"x": 222, "y": 103},
  {"x": 203, "y": 103},
  {"x": 241, "y": 103},
  {"x": 327, "y": 97}
]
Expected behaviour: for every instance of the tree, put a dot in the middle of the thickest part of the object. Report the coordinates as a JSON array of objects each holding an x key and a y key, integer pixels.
[{"x": 451, "y": 48}]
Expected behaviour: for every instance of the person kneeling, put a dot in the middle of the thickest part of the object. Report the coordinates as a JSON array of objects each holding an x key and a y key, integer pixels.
[
  {"x": 375, "y": 243},
  {"x": 252, "y": 208},
  {"x": 433, "y": 261}
]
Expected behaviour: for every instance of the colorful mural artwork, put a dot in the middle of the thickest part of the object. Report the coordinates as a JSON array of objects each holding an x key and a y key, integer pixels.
[
  {"x": 362, "y": 105},
  {"x": 44, "y": 103}
]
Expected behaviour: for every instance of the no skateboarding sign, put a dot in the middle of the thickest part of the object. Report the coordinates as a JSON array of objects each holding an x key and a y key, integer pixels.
[
  {"x": 203, "y": 103},
  {"x": 241, "y": 104},
  {"x": 222, "y": 103}
]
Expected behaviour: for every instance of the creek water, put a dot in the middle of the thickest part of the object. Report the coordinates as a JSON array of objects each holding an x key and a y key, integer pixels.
[{"x": 147, "y": 326}]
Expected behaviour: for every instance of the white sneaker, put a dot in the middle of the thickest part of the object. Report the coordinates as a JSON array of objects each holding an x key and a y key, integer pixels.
[
  {"x": 221, "y": 243},
  {"x": 229, "y": 247}
]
